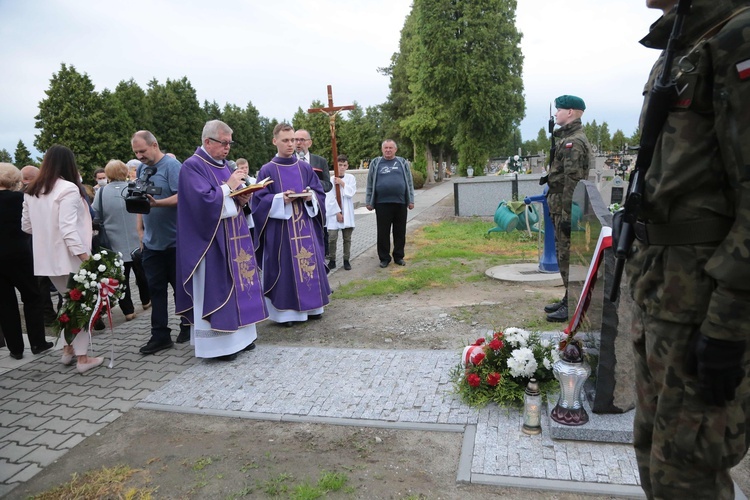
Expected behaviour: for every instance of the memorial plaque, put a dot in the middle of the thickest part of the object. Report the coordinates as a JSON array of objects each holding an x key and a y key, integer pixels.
[
  {"x": 605, "y": 323},
  {"x": 617, "y": 195}
]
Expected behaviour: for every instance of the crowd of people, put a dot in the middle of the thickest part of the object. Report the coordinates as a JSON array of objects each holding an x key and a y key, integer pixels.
[{"x": 235, "y": 252}]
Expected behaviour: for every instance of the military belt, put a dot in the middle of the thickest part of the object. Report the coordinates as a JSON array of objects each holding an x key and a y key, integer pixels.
[{"x": 683, "y": 233}]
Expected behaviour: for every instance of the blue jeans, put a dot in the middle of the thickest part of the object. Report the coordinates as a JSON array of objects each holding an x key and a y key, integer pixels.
[{"x": 160, "y": 268}]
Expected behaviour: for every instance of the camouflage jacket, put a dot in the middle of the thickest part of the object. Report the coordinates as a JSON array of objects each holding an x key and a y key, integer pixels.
[
  {"x": 571, "y": 164},
  {"x": 701, "y": 172}
]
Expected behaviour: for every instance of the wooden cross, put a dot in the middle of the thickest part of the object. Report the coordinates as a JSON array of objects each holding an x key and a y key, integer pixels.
[{"x": 332, "y": 111}]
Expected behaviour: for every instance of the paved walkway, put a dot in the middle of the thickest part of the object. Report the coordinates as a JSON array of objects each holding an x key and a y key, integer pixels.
[{"x": 47, "y": 408}]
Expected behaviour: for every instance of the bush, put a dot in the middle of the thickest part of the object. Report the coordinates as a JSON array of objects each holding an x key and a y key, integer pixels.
[{"x": 418, "y": 178}]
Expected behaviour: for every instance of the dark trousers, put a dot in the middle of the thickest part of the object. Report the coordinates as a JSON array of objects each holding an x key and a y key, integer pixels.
[
  {"x": 18, "y": 273},
  {"x": 126, "y": 302},
  {"x": 141, "y": 281},
  {"x": 160, "y": 267},
  {"x": 45, "y": 289},
  {"x": 391, "y": 215}
]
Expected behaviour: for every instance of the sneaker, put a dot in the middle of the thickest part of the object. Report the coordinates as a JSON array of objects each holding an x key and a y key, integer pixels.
[
  {"x": 347, "y": 266},
  {"x": 331, "y": 264},
  {"x": 146, "y": 306},
  {"x": 91, "y": 364},
  {"x": 154, "y": 346}
]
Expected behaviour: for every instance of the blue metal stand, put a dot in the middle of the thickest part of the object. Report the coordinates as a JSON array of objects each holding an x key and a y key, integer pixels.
[{"x": 548, "y": 260}]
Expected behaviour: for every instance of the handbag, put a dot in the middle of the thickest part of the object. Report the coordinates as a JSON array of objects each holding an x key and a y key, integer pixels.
[{"x": 100, "y": 239}]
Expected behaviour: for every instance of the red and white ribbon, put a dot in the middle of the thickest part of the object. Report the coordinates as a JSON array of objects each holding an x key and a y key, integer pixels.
[{"x": 106, "y": 289}]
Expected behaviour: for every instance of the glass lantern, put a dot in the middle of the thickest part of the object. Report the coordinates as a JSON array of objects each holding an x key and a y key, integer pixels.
[
  {"x": 532, "y": 409},
  {"x": 571, "y": 375}
]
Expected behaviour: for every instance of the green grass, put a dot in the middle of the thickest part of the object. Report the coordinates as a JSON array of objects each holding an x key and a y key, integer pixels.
[
  {"x": 327, "y": 482},
  {"x": 445, "y": 253}
]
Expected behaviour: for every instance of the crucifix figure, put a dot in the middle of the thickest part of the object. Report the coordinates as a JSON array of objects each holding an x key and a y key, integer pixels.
[{"x": 332, "y": 111}]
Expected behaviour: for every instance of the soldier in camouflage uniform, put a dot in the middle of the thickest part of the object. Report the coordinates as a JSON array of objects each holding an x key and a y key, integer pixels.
[
  {"x": 689, "y": 273},
  {"x": 570, "y": 165}
]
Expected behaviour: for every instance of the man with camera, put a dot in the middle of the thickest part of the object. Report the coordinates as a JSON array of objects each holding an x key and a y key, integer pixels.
[{"x": 153, "y": 196}]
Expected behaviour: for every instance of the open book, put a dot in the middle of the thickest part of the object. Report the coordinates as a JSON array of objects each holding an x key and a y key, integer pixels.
[{"x": 252, "y": 187}]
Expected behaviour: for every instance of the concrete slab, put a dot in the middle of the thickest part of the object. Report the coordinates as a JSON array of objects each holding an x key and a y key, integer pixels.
[{"x": 523, "y": 273}]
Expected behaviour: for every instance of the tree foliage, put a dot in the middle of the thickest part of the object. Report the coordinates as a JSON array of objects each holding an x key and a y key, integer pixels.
[
  {"x": 177, "y": 117},
  {"x": 456, "y": 82},
  {"x": 5, "y": 156},
  {"x": 22, "y": 155}
]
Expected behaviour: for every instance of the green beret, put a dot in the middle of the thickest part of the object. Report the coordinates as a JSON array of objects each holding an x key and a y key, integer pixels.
[{"x": 570, "y": 102}]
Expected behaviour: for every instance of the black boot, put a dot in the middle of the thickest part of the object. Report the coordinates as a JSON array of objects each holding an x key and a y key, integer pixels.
[
  {"x": 559, "y": 316},
  {"x": 550, "y": 308}
]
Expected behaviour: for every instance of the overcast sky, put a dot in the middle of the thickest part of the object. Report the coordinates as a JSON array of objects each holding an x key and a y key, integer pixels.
[{"x": 281, "y": 55}]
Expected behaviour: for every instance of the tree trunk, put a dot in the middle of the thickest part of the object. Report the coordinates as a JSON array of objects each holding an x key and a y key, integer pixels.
[
  {"x": 430, "y": 165},
  {"x": 440, "y": 169}
]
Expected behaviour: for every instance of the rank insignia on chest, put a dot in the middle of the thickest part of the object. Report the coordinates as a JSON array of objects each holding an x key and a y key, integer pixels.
[
  {"x": 743, "y": 69},
  {"x": 568, "y": 145}
]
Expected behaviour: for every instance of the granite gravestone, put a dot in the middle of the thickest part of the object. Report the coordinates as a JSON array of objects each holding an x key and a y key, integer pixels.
[{"x": 605, "y": 325}]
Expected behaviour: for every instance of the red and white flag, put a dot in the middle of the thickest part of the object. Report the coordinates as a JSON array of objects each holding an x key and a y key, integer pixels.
[{"x": 743, "y": 69}]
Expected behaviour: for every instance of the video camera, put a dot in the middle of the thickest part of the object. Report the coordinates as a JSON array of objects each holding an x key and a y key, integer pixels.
[{"x": 136, "y": 201}]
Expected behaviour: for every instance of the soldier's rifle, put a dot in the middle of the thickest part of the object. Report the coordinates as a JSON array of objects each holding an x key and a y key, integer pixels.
[
  {"x": 552, "y": 146},
  {"x": 660, "y": 99}
]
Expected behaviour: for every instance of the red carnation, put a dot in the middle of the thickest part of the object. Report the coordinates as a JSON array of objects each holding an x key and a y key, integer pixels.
[
  {"x": 474, "y": 380},
  {"x": 75, "y": 294},
  {"x": 477, "y": 358},
  {"x": 493, "y": 379},
  {"x": 479, "y": 341},
  {"x": 63, "y": 318},
  {"x": 498, "y": 335},
  {"x": 496, "y": 345}
]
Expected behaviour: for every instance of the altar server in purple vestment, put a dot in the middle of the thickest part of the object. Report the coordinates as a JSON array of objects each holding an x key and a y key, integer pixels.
[
  {"x": 219, "y": 286},
  {"x": 290, "y": 235}
]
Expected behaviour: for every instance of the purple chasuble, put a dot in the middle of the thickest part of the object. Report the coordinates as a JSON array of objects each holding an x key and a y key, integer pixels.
[
  {"x": 232, "y": 296},
  {"x": 291, "y": 251}
]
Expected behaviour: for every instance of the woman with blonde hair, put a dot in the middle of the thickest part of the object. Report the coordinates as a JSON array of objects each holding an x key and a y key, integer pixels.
[
  {"x": 57, "y": 216},
  {"x": 121, "y": 229},
  {"x": 17, "y": 271}
]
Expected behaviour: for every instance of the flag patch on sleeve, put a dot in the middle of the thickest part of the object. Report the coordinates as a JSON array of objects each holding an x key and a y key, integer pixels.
[
  {"x": 743, "y": 69},
  {"x": 568, "y": 145}
]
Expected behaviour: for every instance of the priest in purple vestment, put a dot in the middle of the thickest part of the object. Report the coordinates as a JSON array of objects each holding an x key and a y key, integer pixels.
[
  {"x": 290, "y": 236},
  {"x": 219, "y": 286}
]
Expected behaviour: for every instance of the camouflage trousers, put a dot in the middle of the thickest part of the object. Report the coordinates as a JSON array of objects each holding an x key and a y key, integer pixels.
[
  {"x": 684, "y": 447},
  {"x": 561, "y": 223}
]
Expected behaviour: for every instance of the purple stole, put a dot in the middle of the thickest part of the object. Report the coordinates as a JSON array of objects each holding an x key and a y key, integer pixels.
[
  {"x": 291, "y": 252},
  {"x": 232, "y": 296}
]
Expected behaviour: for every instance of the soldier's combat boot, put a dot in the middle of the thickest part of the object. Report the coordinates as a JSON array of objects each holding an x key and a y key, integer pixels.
[
  {"x": 550, "y": 308},
  {"x": 559, "y": 316}
]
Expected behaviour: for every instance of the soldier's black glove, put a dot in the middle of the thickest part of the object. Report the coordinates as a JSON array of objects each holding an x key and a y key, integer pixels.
[
  {"x": 718, "y": 366},
  {"x": 543, "y": 180}
]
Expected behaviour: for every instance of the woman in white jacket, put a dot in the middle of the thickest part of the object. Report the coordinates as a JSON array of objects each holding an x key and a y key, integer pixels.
[{"x": 57, "y": 216}]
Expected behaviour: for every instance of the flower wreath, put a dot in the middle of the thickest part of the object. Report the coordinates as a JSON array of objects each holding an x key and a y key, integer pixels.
[
  {"x": 98, "y": 285},
  {"x": 498, "y": 368}
]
